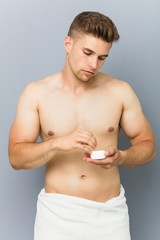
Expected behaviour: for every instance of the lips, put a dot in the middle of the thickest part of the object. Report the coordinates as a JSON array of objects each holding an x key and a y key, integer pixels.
[{"x": 88, "y": 73}]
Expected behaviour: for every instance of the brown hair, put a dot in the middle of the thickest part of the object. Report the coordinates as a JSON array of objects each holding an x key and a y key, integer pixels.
[{"x": 96, "y": 24}]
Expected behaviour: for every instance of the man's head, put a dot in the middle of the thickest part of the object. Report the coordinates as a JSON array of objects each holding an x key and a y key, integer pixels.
[
  {"x": 96, "y": 24},
  {"x": 88, "y": 43}
]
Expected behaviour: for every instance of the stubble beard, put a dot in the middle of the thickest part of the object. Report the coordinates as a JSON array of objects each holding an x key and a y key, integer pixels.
[{"x": 80, "y": 74}]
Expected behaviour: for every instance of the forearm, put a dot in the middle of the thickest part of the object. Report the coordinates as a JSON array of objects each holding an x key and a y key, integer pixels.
[
  {"x": 34, "y": 155},
  {"x": 138, "y": 154},
  {"x": 31, "y": 155}
]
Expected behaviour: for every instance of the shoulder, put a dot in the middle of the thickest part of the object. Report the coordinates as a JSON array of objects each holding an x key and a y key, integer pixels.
[
  {"x": 120, "y": 89},
  {"x": 41, "y": 86},
  {"x": 33, "y": 92},
  {"x": 117, "y": 85}
]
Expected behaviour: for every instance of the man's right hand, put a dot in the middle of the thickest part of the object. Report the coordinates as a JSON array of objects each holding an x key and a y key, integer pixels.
[{"x": 79, "y": 139}]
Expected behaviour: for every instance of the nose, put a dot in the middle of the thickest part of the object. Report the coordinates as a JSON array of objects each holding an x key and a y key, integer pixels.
[{"x": 93, "y": 62}]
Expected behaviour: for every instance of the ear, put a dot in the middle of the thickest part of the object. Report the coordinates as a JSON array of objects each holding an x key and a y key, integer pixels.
[{"x": 68, "y": 43}]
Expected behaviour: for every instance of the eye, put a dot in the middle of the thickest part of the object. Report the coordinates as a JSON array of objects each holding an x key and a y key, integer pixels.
[
  {"x": 87, "y": 53},
  {"x": 102, "y": 58}
]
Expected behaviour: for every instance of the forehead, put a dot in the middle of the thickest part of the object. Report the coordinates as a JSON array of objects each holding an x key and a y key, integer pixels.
[{"x": 93, "y": 43}]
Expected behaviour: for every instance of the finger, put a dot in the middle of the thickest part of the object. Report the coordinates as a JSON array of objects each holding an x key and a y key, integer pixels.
[
  {"x": 83, "y": 147},
  {"x": 111, "y": 152},
  {"x": 87, "y": 141},
  {"x": 87, "y": 135},
  {"x": 106, "y": 161},
  {"x": 108, "y": 166}
]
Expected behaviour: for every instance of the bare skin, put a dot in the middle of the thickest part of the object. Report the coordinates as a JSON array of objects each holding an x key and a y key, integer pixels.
[{"x": 75, "y": 111}]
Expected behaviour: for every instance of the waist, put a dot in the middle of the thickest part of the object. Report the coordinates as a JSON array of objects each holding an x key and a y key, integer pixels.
[
  {"x": 101, "y": 185},
  {"x": 63, "y": 198}
]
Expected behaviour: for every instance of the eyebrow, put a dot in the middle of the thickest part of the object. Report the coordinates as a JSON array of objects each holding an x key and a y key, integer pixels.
[{"x": 91, "y": 51}]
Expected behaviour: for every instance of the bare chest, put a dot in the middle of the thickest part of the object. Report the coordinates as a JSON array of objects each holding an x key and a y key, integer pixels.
[{"x": 62, "y": 114}]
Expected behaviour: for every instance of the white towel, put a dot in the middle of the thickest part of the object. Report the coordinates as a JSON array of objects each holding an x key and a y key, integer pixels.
[{"x": 63, "y": 217}]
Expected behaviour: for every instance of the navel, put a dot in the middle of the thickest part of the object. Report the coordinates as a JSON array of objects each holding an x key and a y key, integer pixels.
[
  {"x": 110, "y": 129},
  {"x": 50, "y": 133},
  {"x": 83, "y": 176}
]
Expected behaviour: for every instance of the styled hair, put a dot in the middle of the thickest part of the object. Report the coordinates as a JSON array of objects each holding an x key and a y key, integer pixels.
[{"x": 96, "y": 24}]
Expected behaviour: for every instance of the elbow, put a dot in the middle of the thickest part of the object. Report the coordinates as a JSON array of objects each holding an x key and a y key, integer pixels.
[
  {"x": 15, "y": 167},
  {"x": 13, "y": 159},
  {"x": 14, "y": 155},
  {"x": 13, "y": 163},
  {"x": 17, "y": 162}
]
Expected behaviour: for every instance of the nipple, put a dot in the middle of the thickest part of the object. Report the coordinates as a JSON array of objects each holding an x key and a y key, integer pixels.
[
  {"x": 110, "y": 129},
  {"x": 50, "y": 133}
]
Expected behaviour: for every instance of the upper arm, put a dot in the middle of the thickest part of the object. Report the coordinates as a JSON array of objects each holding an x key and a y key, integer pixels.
[
  {"x": 26, "y": 125},
  {"x": 133, "y": 121}
]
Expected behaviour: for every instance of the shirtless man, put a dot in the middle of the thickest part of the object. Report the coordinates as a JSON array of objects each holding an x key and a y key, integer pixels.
[{"x": 76, "y": 111}]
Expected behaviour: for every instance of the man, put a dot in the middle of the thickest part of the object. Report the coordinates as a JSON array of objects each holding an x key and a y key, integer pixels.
[{"x": 77, "y": 111}]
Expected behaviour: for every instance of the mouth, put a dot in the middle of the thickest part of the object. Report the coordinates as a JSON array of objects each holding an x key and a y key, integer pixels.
[{"x": 88, "y": 73}]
